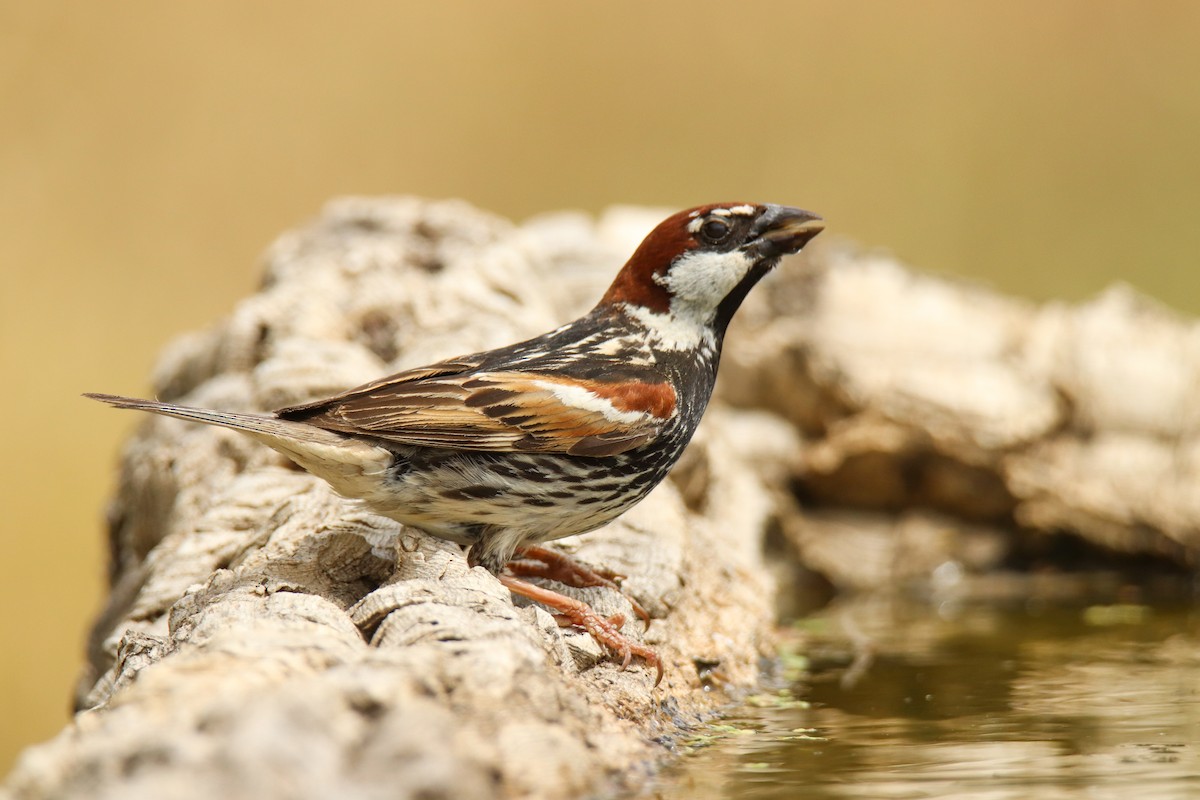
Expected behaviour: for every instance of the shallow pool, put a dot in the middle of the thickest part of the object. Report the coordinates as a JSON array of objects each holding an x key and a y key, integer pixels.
[{"x": 1038, "y": 699}]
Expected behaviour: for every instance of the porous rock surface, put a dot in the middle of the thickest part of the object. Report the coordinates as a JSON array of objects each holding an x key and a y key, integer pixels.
[
  {"x": 941, "y": 419},
  {"x": 266, "y": 638}
]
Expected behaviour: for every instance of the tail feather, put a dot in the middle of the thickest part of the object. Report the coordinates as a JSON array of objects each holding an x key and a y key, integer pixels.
[
  {"x": 266, "y": 426},
  {"x": 353, "y": 466}
]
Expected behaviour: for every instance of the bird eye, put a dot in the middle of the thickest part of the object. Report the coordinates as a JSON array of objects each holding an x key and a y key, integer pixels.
[{"x": 714, "y": 229}]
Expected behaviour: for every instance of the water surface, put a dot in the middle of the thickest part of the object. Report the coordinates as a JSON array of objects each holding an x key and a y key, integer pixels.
[{"x": 983, "y": 701}]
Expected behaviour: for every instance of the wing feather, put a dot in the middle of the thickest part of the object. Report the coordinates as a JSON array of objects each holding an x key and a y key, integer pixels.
[{"x": 452, "y": 405}]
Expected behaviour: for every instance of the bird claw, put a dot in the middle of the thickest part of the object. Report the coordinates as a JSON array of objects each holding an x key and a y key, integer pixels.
[
  {"x": 626, "y": 657},
  {"x": 542, "y": 562},
  {"x": 605, "y": 630}
]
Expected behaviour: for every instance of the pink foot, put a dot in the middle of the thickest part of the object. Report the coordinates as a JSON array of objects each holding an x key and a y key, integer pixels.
[{"x": 605, "y": 630}]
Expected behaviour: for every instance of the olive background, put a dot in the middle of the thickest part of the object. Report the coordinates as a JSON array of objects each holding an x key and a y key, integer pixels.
[{"x": 150, "y": 151}]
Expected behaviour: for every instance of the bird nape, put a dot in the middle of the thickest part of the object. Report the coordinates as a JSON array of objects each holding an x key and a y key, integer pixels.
[{"x": 505, "y": 450}]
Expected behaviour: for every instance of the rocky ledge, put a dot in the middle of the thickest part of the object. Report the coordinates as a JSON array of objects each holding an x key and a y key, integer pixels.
[{"x": 264, "y": 637}]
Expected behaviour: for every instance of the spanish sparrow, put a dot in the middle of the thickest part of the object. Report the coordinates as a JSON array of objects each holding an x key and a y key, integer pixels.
[{"x": 553, "y": 436}]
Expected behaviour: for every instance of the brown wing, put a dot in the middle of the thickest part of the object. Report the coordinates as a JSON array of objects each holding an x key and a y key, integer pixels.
[{"x": 439, "y": 406}]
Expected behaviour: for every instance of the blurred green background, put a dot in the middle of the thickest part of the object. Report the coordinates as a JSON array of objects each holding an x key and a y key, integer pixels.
[{"x": 149, "y": 151}]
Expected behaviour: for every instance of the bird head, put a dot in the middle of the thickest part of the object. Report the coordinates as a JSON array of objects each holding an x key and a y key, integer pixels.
[{"x": 688, "y": 277}]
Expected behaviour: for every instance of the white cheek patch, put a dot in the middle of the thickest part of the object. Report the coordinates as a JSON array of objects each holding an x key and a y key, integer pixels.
[{"x": 700, "y": 280}]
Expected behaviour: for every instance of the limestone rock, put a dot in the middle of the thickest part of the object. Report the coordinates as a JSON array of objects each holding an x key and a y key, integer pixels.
[{"x": 266, "y": 637}]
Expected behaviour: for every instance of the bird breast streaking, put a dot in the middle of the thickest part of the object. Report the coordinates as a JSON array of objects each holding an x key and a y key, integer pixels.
[{"x": 507, "y": 449}]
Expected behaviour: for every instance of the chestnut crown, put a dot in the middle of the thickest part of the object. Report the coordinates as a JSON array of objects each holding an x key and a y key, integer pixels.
[{"x": 697, "y": 266}]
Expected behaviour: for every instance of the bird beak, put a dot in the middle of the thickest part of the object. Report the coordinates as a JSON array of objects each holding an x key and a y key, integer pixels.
[{"x": 781, "y": 230}]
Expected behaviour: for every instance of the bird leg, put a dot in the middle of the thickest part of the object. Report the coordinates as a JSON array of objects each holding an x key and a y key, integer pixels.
[
  {"x": 542, "y": 562},
  {"x": 605, "y": 630}
]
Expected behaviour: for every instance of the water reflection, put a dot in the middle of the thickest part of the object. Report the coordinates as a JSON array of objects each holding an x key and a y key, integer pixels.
[{"x": 1020, "y": 701}]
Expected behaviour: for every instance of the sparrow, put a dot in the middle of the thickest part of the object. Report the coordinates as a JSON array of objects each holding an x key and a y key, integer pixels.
[{"x": 504, "y": 450}]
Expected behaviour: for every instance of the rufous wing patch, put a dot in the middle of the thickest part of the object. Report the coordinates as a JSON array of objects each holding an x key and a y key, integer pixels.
[
  {"x": 507, "y": 411},
  {"x": 655, "y": 399}
]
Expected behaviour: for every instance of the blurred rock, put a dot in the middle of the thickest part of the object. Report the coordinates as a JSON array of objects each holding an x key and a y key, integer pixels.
[
  {"x": 265, "y": 637},
  {"x": 915, "y": 392},
  {"x": 874, "y": 427}
]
